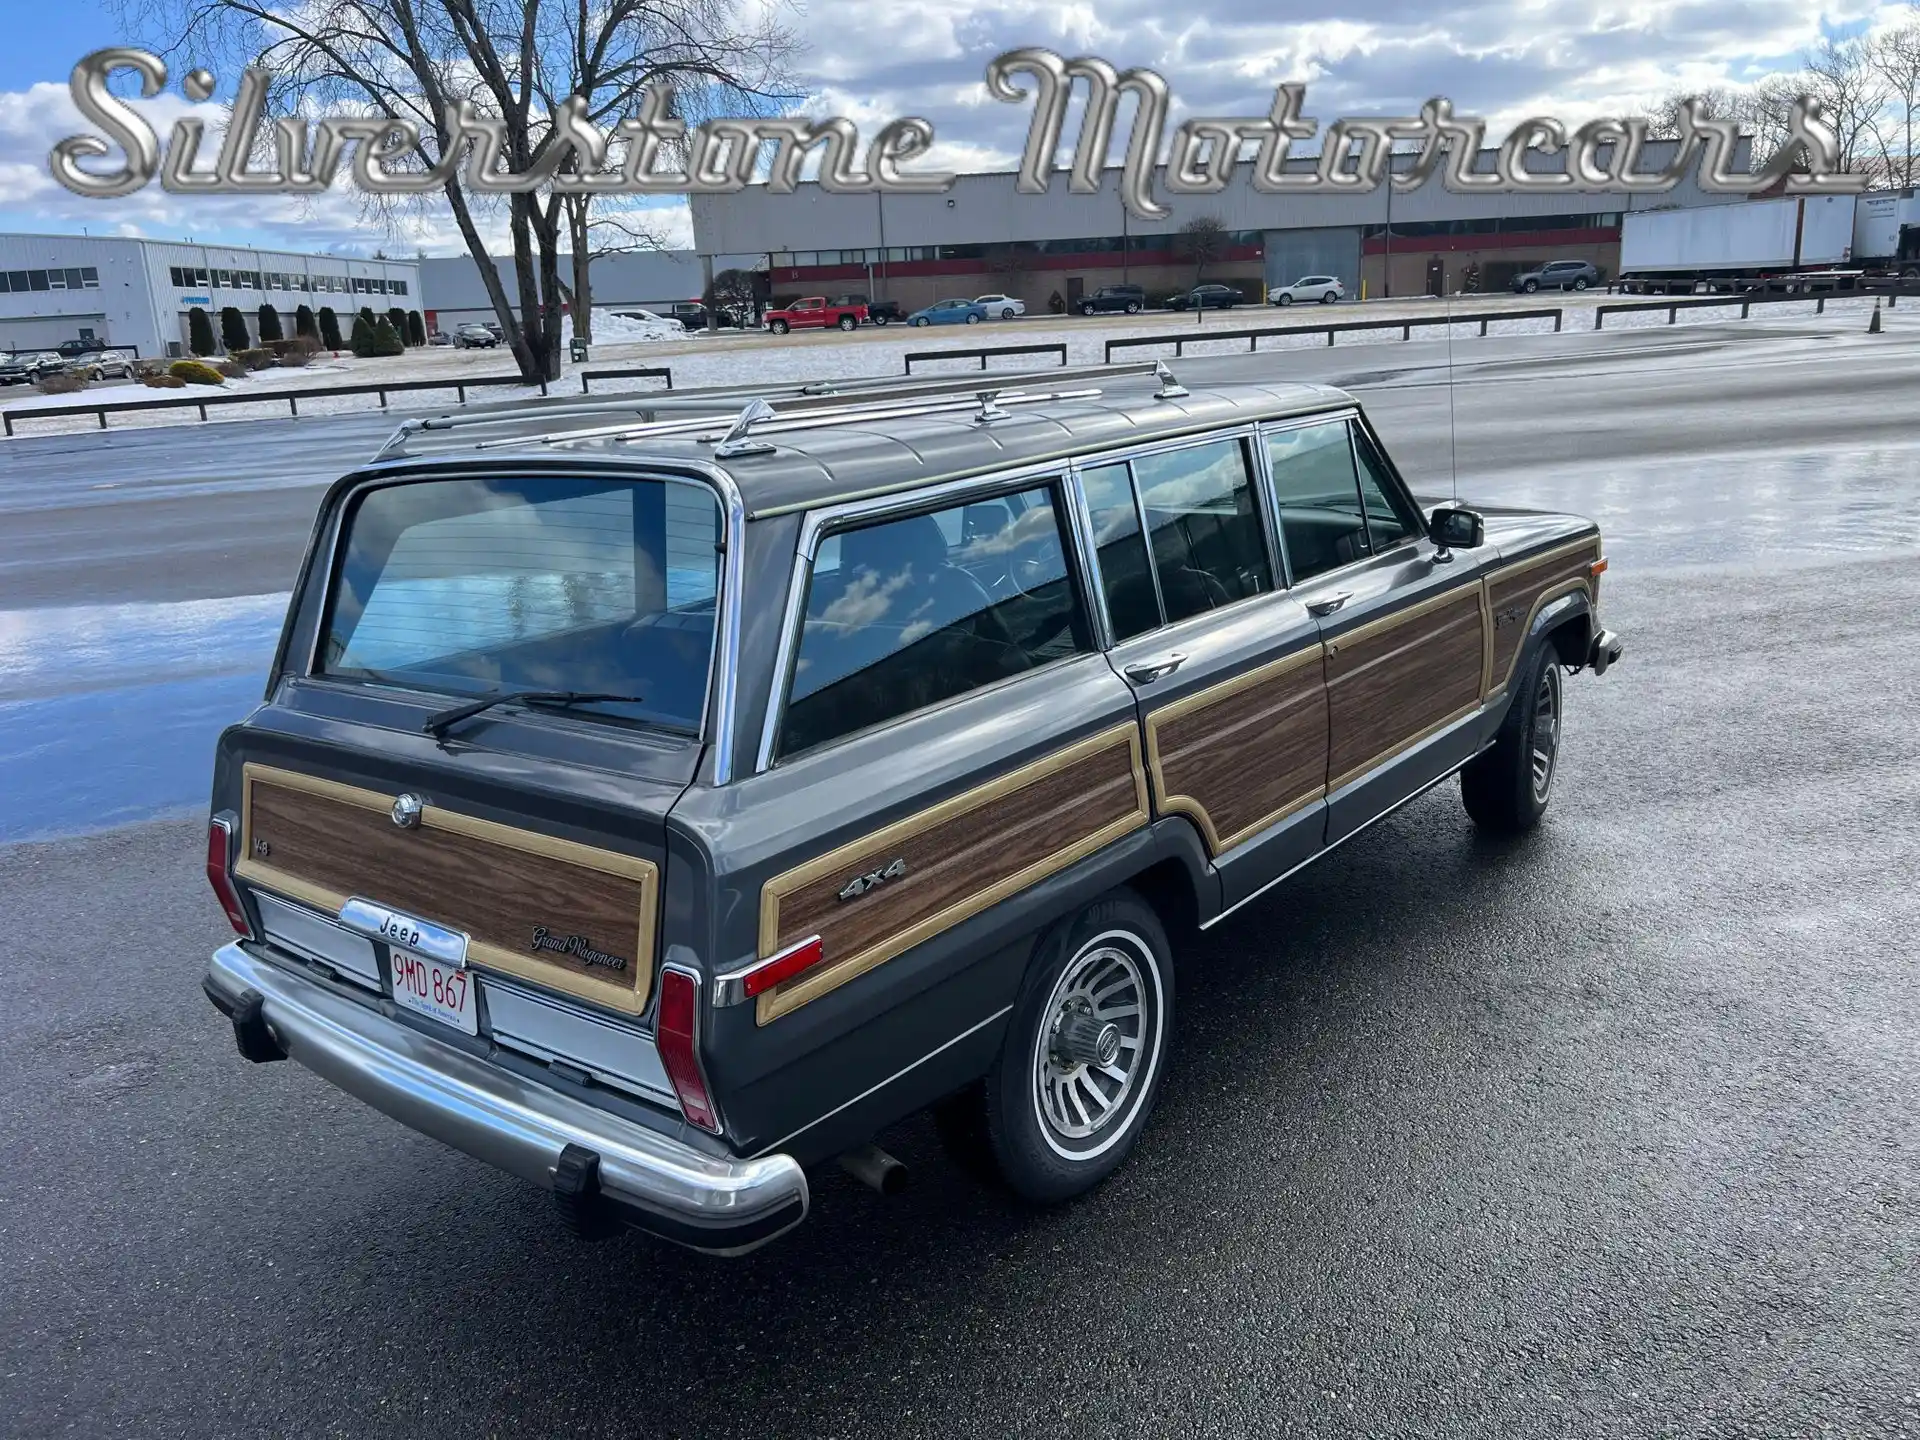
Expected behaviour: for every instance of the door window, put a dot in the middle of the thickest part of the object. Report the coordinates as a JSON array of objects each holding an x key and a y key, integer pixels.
[
  {"x": 1203, "y": 527},
  {"x": 1388, "y": 519},
  {"x": 1126, "y": 571},
  {"x": 1318, "y": 494},
  {"x": 915, "y": 610}
]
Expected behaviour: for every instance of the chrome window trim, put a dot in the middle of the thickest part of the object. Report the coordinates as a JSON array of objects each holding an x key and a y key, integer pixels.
[
  {"x": 1087, "y": 559},
  {"x": 716, "y": 724},
  {"x": 816, "y": 525},
  {"x": 1412, "y": 541}
]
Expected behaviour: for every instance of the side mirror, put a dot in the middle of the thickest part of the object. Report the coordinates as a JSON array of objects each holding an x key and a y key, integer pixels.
[{"x": 1456, "y": 528}]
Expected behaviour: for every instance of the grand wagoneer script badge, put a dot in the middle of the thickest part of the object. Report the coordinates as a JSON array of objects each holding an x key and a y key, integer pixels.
[
  {"x": 861, "y": 884},
  {"x": 576, "y": 947}
]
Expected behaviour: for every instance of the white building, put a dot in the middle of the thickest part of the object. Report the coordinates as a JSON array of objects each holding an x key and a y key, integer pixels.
[{"x": 138, "y": 292}]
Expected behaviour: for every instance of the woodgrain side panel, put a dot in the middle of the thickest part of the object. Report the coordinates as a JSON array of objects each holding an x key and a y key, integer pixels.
[
  {"x": 325, "y": 843},
  {"x": 1516, "y": 593},
  {"x": 1394, "y": 682},
  {"x": 961, "y": 856},
  {"x": 1243, "y": 755}
]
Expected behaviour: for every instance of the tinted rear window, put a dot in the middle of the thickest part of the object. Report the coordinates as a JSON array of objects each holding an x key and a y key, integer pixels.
[{"x": 476, "y": 585}]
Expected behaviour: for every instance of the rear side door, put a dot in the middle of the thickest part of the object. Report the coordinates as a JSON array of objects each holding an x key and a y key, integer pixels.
[
  {"x": 1406, "y": 627},
  {"x": 1226, "y": 667}
]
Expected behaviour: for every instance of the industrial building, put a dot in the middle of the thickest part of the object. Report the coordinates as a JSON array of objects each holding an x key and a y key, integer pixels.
[
  {"x": 983, "y": 236},
  {"x": 137, "y": 293},
  {"x": 650, "y": 280}
]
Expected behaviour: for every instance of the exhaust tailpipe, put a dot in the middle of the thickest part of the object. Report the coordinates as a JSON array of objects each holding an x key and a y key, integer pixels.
[{"x": 875, "y": 1168}]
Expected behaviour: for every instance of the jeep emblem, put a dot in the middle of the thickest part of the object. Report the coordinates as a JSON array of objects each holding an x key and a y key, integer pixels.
[{"x": 861, "y": 884}]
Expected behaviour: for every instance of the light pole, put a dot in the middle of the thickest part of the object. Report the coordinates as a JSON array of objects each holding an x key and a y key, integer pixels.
[{"x": 1386, "y": 284}]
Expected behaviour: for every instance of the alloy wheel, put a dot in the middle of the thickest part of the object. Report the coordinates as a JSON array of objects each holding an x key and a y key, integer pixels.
[
  {"x": 1545, "y": 737},
  {"x": 1097, "y": 1046}
]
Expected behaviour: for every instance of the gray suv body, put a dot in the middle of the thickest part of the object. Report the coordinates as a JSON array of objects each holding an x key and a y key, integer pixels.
[
  {"x": 1557, "y": 275},
  {"x": 659, "y": 805}
]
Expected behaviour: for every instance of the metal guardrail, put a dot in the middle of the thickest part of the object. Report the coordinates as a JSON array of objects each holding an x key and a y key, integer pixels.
[
  {"x": 1747, "y": 300},
  {"x": 1057, "y": 348},
  {"x": 636, "y": 372},
  {"x": 1406, "y": 328}
]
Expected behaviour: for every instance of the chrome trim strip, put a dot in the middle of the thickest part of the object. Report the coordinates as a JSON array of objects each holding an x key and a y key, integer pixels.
[
  {"x": 539, "y": 1025},
  {"x": 871, "y": 1089},
  {"x": 1088, "y": 557},
  {"x": 502, "y": 1118},
  {"x": 724, "y": 679},
  {"x": 407, "y": 932},
  {"x": 309, "y": 934},
  {"x": 1326, "y": 850}
]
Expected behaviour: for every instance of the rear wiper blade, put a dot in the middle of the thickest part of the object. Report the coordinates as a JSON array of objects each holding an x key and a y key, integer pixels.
[{"x": 441, "y": 721}]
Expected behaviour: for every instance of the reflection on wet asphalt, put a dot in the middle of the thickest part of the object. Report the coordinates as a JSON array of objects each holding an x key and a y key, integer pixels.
[
  {"x": 108, "y": 712},
  {"x": 1724, "y": 447}
]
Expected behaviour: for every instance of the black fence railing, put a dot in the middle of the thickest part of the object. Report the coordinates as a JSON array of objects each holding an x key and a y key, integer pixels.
[
  {"x": 636, "y": 372},
  {"x": 1406, "y": 327},
  {"x": 1057, "y": 348},
  {"x": 100, "y": 410},
  {"x": 1891, "y": 292}
]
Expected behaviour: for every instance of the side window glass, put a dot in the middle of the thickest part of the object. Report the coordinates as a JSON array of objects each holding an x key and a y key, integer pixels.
[
  {"x": 1126, "y": 572},
  {"x": 1203, "y": 527},
  {"x": 906, "y": 617},
  {"x": 1318, "y": 495},
  {"x": 1388, "y": 523}
]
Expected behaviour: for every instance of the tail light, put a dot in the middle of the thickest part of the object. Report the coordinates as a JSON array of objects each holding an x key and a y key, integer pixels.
[
  {"x": 677, "y": 1036},
  {"x": 220, "y": 874}
]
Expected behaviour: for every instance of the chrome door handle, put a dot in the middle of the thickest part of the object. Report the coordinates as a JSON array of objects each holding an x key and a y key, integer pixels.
[
  {"x": 1148, "y": 671},
  {"x": 1330, "y": 604}
]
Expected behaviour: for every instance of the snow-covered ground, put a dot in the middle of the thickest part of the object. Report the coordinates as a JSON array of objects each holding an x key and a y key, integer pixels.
[{"x": 733, "y": 357}]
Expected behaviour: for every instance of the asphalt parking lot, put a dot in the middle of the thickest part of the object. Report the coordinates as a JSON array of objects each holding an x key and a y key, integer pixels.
[{"x": 1609, "y": 1132}]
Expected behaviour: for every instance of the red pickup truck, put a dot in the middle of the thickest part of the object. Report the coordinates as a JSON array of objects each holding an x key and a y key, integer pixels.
[{"x": 814, "y": 313}]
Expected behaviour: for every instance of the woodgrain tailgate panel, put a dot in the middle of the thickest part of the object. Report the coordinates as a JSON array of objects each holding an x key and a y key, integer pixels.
[
  {"x": 962, "y": 855},
  {"x": 325, "y": 842}
]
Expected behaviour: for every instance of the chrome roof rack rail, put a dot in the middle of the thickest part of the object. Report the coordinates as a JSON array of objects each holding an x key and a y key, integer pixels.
[{"x": 736, "y": 441}]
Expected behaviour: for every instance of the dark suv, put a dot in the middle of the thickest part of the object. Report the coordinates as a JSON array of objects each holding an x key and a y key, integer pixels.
[
  {"x": 1130, "y": 299},
  {"x": 1557, "y": 275},
  {"x": 1207, "y": 297}
]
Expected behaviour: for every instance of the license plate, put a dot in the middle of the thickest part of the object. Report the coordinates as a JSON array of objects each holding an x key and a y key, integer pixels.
[{"x": 444, "y": 992}]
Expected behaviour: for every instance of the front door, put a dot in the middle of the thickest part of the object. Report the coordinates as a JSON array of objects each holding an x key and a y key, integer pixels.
[
  {"x": 1076, "y": 289},
  {"x": 1227, "y": 669},
  {"x": 1436, "y": 276},
  {"x": 1405, "y": 630}
]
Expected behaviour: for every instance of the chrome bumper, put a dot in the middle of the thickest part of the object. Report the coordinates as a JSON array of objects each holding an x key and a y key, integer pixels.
[
  {"x": 599, "y": 1166},
  {"x": 1605, "y": 651}
]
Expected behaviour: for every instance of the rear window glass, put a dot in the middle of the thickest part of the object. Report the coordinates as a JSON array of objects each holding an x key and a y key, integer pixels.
[
  {"x": 912, "y": 611},
  {"x": 477, "y": 585}
]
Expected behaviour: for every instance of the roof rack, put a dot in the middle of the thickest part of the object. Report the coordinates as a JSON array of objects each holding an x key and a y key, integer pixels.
[{"x": 867, "y": 396}]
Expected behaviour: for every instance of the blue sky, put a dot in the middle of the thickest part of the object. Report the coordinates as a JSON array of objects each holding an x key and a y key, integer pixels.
[{"x": 876, "y": 60}]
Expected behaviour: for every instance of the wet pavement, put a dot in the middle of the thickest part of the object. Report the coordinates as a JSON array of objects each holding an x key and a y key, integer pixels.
[{"x": 1608, "y": 1132}]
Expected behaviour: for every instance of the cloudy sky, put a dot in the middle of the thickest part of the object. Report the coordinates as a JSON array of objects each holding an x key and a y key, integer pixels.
[{"x": 875, "y": 60}]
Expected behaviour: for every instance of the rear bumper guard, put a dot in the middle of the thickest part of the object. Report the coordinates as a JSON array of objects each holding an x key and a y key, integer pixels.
[{"x": 603, "y": 1171}]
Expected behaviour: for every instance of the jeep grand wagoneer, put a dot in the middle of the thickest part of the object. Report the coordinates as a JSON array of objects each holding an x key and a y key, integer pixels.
[{"x": 658, "y": 802}]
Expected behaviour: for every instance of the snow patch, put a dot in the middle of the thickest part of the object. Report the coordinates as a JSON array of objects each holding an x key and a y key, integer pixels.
[{"x": 637, "y": 328}]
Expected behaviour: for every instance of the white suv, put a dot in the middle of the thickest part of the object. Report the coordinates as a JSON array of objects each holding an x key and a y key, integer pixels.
[
  {"x": 1324, "y": 288},
  {"x": 1004, "y": 306}
]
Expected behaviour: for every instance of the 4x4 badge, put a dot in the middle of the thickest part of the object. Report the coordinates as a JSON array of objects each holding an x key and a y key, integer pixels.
[{"x": 861, "y": 884}]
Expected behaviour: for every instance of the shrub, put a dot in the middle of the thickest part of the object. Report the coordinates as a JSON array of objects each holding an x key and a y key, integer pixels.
[
  {"x": 200, "y": 332},
  {"x": 330, "y": 328},
  {"x": 64, "y": 382},
  {"x": 303, "y": 324},
  {"x": 232, "y": 369},
  {"x": 195, "y": 372},
  {"x": 258, "y": 359},
  {"x": 162, "y": 381},
  {"x": 295, "y": 358},
  {"x": 386, "y": 339},
  {"x": 269, "y": 323},
  {"x": 416, "y": 328},
  {"x": 361, "y": 341},
  {"x": 397, "y": 318},
  {"x": 233, "y": 330},
  {"x": 366, "y": 313}
]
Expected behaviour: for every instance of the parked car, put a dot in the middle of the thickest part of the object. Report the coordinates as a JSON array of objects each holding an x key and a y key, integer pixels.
[
  {"x": 475, "y": 337},
  {"x": 815, "y": 313},
  {"x": 881, "y": 312},
  {"x": 104, "y": 364},
  {"x": 691, "y": 314},
  {"x": 1557, "y": 275},
  {"x": 1320, "y": 289},
  {"x": 1110, "y": 298},
  {"x": 949, "y": 312},
  {"x": 1003, "y": 307},
  {"x": 891, "y": 799},
  {"x": 1207, "y": 297},
  {"x": 74, "y": 349},
  {"x": 29, "y": 366},
  {"x": 439, "y": 337}
]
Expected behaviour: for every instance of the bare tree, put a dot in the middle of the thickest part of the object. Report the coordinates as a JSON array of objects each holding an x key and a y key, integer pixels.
[
  {"x": 735, "y": 290},
  {"x": 512, "y": 60},
  {"x": 1895, "y": 56},
  {"x": 588, "y": 238},
  {"x": 1203, "y": 240},
  {"x": 1840, "y": 74}
]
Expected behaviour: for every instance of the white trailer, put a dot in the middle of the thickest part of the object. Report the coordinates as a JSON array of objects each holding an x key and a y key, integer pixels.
[
  {"x": 1745, "y": 241},
  {"x": 1886, "y": 232}
]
